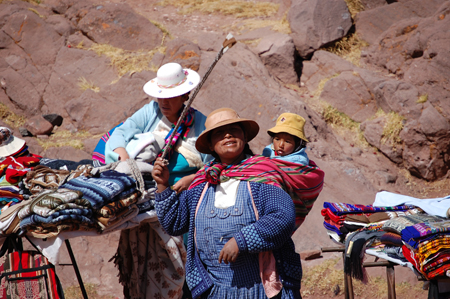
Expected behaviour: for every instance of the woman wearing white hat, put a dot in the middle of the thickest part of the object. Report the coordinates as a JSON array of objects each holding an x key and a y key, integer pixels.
[{"x": 171, "y": 88}]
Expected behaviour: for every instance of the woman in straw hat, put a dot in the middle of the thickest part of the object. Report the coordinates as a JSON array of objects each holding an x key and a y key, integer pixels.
[
  {"x": 238, "y": 217},
  {"x": 288, "y": 139},
  {"x": 171, "y": 88}
]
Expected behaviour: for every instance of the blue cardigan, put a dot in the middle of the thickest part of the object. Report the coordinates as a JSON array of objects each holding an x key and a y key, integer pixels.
[{"x": 271, "y": 232}]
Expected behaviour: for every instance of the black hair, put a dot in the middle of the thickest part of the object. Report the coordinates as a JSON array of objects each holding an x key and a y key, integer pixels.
[{"x": 299, "y": 143}]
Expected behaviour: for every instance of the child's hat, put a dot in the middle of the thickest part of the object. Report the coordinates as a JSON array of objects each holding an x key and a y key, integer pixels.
[
  {"x": 289, "y": 123},
  {"x": 9, "y": 145},
  {"x": 172, "y": 81}
]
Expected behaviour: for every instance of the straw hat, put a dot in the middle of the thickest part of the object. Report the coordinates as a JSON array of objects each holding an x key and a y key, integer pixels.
[
  {"x": 9, "y": 145},
  {"x": 289, "y": 123},
  {"x": 222, "y": 117},
  {"x": 172, "y": 81}
]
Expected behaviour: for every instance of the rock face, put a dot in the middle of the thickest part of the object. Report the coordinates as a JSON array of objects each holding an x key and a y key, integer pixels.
[{"x": 47, "y": 67}]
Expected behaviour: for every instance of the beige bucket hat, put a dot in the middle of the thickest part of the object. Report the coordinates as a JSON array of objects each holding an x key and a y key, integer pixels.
[
  {"x": 289, "y": 123},
  {"x": 9, "y": 145},
  {"x": 171, "y": 81},
  {"x": 222, "y": 117}
]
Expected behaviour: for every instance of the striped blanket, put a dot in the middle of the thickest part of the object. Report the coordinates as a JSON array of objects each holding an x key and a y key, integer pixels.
[
  {"x": 339, "y": 208},
  {"x": 302, "y": 182}
]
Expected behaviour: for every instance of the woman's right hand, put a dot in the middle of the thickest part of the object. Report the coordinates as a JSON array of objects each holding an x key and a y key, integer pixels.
[
  {"x": 123, "y": 154},
  {"x": 161, "y": 174}
]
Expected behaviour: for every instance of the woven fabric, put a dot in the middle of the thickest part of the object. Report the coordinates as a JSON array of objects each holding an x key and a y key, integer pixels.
[
  {"x": 110, "y": 186},
  {"x": 30, "y": 284},
  {"x": 99, "y": 150},
  {"x": 151, "y": 263},
  {"x": 182, "y": 131},
  {"x": 340, "y": 208},
  {"x": 302, "y": 182}
]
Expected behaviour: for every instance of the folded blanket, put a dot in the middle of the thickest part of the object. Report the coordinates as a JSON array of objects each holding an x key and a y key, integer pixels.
[
  {"x": 339, "y": 208},
  {"x": 102, "y": 190}
]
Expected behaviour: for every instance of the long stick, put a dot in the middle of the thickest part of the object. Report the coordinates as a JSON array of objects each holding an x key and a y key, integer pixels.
[{"x": 228, "y": 43}]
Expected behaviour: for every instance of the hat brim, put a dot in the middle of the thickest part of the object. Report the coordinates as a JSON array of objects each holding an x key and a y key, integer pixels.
[
  {"x": 250, "y": 127},
  {"x": 152, "y": 89},
  {"x": 12, "y": 147},
  {"x": 289, "y": 130}
]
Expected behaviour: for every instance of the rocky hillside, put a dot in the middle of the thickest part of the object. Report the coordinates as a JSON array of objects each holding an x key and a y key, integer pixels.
[{"x": 369, "y": 76}]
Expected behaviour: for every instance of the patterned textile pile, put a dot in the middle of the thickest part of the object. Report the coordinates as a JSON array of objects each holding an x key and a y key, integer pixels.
[
  {"x": 402, "y": 234},
  {"x": 43, "y": 202}
]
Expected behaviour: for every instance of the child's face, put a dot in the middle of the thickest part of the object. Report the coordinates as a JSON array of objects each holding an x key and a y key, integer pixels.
[{"x": 283, "y": 144}]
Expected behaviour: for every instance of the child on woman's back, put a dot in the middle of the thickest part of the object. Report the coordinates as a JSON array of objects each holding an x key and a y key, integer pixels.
[{"x": 288, "y": 139}]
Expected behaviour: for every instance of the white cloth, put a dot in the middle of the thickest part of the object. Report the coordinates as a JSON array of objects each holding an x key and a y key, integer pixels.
[
  {"x": 50, "y": 247},
  {"x": 139, "y": 141},
  {"x": 432, "y": 206},
  {"x": 225, "y": 196}
]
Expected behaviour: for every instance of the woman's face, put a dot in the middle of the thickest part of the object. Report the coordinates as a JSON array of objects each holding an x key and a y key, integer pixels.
[
  {"x": 170, "y": 107},
  {"x": 228, "y": 142},
  {"x": 283, "y": 144}
]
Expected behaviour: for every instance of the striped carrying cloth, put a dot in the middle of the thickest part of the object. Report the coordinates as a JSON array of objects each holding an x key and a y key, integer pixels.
[{"x": 302, "y": 182}]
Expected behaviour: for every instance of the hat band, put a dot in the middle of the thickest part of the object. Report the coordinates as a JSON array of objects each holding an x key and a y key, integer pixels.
[{"x": 175, "y": 84}]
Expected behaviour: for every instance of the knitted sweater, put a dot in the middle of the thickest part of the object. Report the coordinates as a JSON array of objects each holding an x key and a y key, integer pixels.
[{"x": 271, "y": 232}]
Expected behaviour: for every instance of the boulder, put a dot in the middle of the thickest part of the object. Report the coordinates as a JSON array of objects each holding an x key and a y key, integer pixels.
[
  {"x": 37, "y": 125},
  {"x": 373, "y": 22},
  {"x": 35, "y": 37},
  {"x": 54, "y": 119},
  {"x": 64, "y": 83},
  {"x": 119, "y": 25},
  {"x": 84, "y": 110},
  {"x": 373, "y": 133},
  {"x": 20, "y": 92},
  {"x": 398, "y": 96},
  {"x": 184, "y": 52},
  {"x": 323, "y": 65},
  {"x": 277, "y": 52},
  {"x": 315, "y": 23},
  {"x": 349, "y": 94}
]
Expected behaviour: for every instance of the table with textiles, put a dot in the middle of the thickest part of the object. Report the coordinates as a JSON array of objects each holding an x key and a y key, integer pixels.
[
  {"x": 51, "y": 201},
  {"x": 399, "y": 229}
]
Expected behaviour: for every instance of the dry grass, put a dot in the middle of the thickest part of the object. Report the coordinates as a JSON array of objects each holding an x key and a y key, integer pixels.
[
  {"x": 163, "y": 29},
  {"x": 10, "y": 118},
  {"x": 392, "y": 129},
  {"x": 84, "y": 84},
  {"x": 239, "y": 9},
  {"x": 322, "y": 279},
  {"x": 422, "y": 189},
  {"x": 36, "y": 12},
  {"x": 281, "y": 25},
  {"x": 128, "y": 61},
  {"x": 65, "y": 138},
  {"x": 354, "y": 6},
  {"x": 349, "y": 48},
  {"x": 327, "y": 280},
  {"x": 74, "y": 292},
  {"x": 422, "y": 99}
]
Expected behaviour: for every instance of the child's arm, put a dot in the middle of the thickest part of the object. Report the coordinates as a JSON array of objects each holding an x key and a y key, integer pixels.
[{"x": 275, "y": 224}]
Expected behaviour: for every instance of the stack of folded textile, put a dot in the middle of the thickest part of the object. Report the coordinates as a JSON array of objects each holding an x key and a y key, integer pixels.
[
  {"x": 426, "y": 246},
  {"x": 112, "y": 195},
  {"x": 343, "y": 218}
]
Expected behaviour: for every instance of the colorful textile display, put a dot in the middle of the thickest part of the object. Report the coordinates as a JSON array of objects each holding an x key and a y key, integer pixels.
[{"x": 302, "y": 182}]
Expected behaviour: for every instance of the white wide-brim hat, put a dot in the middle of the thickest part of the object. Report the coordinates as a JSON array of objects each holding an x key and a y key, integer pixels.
[
  {"x": 172, "y": 81},
  {"x": 9, "y": 145}
]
